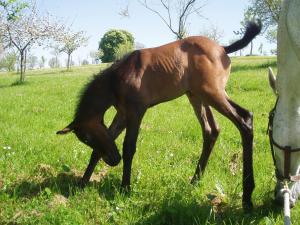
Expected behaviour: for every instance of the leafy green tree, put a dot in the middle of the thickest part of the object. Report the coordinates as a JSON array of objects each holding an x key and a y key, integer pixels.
[
  {"x": 8, "y": 62},
  {"x": 113, "y": 42}
]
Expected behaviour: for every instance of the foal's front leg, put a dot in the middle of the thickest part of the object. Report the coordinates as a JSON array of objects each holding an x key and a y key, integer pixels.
[
  {"x": 95, "y": 157},
  {"x": 116, "y": 127}
]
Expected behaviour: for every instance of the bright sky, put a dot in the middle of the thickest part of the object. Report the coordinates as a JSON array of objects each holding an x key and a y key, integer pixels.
[{"x": 98, "y": 16}]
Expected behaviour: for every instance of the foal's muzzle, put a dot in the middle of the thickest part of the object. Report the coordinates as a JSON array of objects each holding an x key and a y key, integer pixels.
[{"x": 112, "y": 159}]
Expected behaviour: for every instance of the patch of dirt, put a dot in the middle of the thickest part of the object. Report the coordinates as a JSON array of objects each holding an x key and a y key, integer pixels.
[
  {"x": 234, "y": 163},
  {"x": 44, "y": 170},
  {"x": 96, "y": 177},
  {"x": 217, "y": 203},
  {"x": 58, "y": 200}
]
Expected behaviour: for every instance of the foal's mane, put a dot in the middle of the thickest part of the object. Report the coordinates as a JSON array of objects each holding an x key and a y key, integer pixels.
[{"x": 97, "y": 95}]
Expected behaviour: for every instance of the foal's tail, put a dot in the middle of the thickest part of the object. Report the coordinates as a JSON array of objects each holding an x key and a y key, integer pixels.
[{"x": 252, "y": 30}]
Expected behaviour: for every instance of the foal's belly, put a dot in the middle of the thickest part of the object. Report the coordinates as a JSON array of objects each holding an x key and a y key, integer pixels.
[{"x": 162, "y": 87}]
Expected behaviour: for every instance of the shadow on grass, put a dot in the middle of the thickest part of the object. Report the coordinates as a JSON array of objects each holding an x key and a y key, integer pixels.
[
  {"x": 176, "y": 212},
  {"x": 170, "y": 211},
  {"x": 66, "y": 184},
  {"x": 14, "y": 84}
]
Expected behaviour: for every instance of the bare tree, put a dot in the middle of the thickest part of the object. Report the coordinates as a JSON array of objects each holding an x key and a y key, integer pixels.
[
  {"x": 213, "y": 33},
  {"x": 27, "y": 30},
  {"x": 175, "y": 13},
  {"x": 42, "y": 62},
  {"x": 56, "y": 51},
  {"x": 70, "y": 41}
]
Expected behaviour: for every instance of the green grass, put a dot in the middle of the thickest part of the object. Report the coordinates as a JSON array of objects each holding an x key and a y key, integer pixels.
[{"x": 38, "y": 174}]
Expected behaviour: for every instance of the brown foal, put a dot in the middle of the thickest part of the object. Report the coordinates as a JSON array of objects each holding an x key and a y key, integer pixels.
[{"x": 195, "y": 66}]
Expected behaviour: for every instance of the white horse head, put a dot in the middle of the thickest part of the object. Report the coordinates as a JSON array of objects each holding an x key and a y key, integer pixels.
[{"x": 286, "y": 120}]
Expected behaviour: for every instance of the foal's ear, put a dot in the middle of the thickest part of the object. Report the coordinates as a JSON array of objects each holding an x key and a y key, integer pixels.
[
  {"x": 272, "y": 81},
  {"x": 67, "y": 129}
]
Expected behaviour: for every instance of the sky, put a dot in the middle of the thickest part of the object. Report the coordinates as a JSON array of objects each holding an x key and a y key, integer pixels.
[{"x": 98, "y": 16}]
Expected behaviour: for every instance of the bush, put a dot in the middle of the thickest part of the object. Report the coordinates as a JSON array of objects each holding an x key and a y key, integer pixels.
[{"x": 115, "y": 43}]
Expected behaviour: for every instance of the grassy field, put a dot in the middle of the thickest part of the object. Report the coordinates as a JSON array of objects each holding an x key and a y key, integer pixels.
[{"x": 39, "y": 170}]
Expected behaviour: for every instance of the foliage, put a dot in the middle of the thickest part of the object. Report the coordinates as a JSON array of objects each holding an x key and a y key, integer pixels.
[
  {"x": 175, "y": 13},
  {"x": 123, "y": 50},
  {"x": 85, "y": 62},
  {"x": 213, "y": 33},
  {"x": 42, "y": 62},
  {"x": 69, "y": 41},
  {"x": 54, "y": 62},
  {"x": 268, "y": 12},
  {"x": 8, "y": 61},
  {"x": 26, "y": 30},
  {"x": 12, "y": 8},
  {"x": 96, "y": 56},
  {"x": 32, "y": 61},
  {"x": 115, "y": 42}
]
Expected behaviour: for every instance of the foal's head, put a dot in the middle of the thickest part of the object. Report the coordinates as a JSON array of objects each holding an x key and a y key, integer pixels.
[
  {"x": 88, "y": 123},
  {"x": 95, "y": 134}
]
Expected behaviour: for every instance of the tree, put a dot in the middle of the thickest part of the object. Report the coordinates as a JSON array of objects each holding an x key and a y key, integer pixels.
[
  {"x": 248, "y": 16},
  {"x": 96, "y": 55},
  {"x": 32, "y": 61},
  {"x": 54, "y": 63},
  {"x": 113, "y": 41},
  {"x": 213, "y": 33},
  {"x": 23, "y": 28},
  {"x": 175, "y": 13},
  {"x": 70, "y": 41},
  {"x": 42, "y": 62},
  {"x": 56, "y": 51},
  {"x": 8, "y": 61},
  {"x": 268, "y": 12},
  {"x": 85, "y": 62}
]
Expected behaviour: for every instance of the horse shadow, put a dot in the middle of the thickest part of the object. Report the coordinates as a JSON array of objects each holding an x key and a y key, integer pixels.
[
  {"x": 64, "y": 183},
  {"x": 176, "y": 211},
  {"x": 169, "y": 211}
]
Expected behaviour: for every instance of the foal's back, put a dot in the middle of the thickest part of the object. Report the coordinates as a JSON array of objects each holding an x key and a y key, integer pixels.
[{"x": 195, "y": 65}]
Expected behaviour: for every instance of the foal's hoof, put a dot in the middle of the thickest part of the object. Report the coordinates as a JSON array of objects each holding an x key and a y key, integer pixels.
[{"x": 247, "y": 206}]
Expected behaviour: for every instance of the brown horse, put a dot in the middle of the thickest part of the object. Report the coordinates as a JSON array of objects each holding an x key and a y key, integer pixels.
[{"x": 195, "y": 66}]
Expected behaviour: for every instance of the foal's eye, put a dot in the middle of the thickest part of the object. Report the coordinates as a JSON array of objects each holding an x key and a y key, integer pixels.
[{"x": 87, "y": 138}]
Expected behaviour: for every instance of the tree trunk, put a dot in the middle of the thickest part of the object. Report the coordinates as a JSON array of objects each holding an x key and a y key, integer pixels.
[
  {"x": 69, "y": 61},
  {"x": 25, "y": 61},
  {"x": 22, "y": 69},
  {"x": 251, "y": 47}
]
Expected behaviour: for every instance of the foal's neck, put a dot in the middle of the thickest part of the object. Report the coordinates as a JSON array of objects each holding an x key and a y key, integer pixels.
[{"x": 96, "y": 98}]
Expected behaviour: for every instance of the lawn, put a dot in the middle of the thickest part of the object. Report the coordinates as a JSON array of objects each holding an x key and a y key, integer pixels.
[{"x": 39, "y": 170}]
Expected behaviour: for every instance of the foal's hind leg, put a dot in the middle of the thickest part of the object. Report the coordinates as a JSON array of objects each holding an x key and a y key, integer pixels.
[
  {"x": 243, "y": 120},
  {"x": 210, "y": 132}
]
